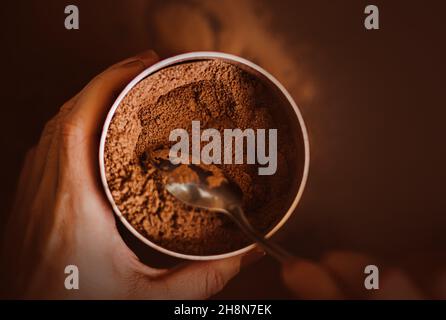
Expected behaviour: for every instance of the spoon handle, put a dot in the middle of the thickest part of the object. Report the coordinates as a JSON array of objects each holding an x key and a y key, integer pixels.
[{"x": 274, "y": 250}]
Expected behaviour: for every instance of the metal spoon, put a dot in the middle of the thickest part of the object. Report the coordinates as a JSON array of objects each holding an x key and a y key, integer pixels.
[{"x": 225, "y": 198}]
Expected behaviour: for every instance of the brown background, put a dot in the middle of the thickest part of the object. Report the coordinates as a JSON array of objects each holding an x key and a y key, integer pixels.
[{"x": 373, "y": 102}]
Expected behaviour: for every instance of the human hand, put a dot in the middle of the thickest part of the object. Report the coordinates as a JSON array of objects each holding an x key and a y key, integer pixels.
[
  {"x": 61, "y": 216},
  {"x": 340, "y": 275}
]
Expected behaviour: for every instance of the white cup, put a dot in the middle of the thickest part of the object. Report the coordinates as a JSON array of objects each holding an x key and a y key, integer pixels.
[{"x": 300, "y": 136}]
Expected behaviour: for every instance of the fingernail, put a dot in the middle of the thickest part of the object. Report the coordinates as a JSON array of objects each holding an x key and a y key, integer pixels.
[
  {"x": 252, "y": 256},
  {"x": 147, "y": 58}
]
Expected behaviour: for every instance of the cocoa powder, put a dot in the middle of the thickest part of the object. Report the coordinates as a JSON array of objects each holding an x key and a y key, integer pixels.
[{"x": 220, "y": 95}]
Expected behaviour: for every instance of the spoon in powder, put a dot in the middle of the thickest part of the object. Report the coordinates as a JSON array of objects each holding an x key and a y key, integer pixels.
[{"x": 210, "y": 190}]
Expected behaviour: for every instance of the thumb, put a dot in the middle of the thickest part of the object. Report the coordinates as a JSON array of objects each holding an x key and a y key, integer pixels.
[
  {"x": 85, "y": 117},
  {"x": 197, "y": 280},
  {"x": 203, "y": 279},
  {"x": 95, "y": 99}
]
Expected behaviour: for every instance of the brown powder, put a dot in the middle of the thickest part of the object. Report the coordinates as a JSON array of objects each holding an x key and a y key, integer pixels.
[{"x": 220, "y": 96}]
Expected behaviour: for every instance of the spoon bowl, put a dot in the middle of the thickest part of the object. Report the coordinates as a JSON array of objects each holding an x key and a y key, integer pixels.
[
  {"x": 203, "y": 196},
  {"x": 195, "y": 190}
]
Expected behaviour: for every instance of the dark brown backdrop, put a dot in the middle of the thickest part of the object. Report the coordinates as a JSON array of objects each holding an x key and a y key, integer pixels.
[{"x": 373, "y": 102}]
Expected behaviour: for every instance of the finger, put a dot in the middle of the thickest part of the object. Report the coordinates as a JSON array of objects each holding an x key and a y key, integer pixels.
[
  {"x": 308, "y": 280},
  {"x": 348, "y": 270},
  {"x": 439, "y": 287},
  {"x": 395, "y": 284},
  {"x": 197, "y": 280},
  {"x": 31, "y": 225},
  {"x": 423, "y": 268},
  {"x": 80, "y": 128},
  {"x": 97, "y": 96},
  {"x": 42, "y": 216},
  {"x": 18, "y": 216},
  {"x": 40, "y": 156},
  {"x": 201, "y": 280},
  {"x": 23, "y": 178}
]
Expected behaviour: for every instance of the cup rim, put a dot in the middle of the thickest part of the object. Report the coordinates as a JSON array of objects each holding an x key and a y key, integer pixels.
[{"x": 193, "y": 56}]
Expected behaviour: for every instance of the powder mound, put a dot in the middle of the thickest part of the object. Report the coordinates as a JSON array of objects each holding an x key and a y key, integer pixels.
[{"x": 221, "y": 96}]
